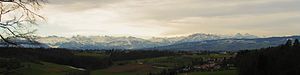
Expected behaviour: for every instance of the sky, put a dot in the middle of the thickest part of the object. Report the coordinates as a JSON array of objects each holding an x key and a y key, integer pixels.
[{"x": 163, "y": 18}]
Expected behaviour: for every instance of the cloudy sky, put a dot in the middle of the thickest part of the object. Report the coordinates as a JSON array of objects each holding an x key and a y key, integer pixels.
[{"x": 162, "y": 18}]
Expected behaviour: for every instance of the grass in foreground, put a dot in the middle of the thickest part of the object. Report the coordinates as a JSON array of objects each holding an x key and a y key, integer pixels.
[
  {"x": 129, "y": 69},
  {"x": 229, "y": 72},
  {"x": 43, "y": 69}
]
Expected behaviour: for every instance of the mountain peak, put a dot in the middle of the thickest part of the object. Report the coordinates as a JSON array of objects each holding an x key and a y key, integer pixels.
[
  {"x": 129, "y": 42},
  {"x": 244, "y": 36}
]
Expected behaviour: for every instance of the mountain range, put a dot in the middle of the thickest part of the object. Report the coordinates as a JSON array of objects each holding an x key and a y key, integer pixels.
[
  {"x": 228, "y": 44},
  {"x": 198, "y": 41},
  {"x": 110, "y": 42}
]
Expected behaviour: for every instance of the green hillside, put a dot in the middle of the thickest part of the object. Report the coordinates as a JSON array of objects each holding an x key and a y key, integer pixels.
[
  {"x": 26, "y": 61},
  {"x": 43, "y": 68}
]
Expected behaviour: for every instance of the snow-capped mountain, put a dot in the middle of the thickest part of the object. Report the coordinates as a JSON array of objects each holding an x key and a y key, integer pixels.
[
  {"x": 204, "y": 37},
  {"x": 200, "y": 37},
  {"x": 110, "y": 42},
  {"x": 166, "y": 41},
  {"x": 97, "y": 42},
  {"x": 244, "y": 36}
]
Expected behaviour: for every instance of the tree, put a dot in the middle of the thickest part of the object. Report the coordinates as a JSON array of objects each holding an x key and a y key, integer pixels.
[
  {"x": 296, "y": 43},
  {"x": 18, "y": 18},
  {"x": 289, "y": 43}
]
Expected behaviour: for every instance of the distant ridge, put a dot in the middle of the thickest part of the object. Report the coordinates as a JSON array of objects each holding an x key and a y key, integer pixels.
[
  {"x": 228, "y": 44},
  {"x": 198, "y": 41},
  {"x": 110, "y": 42}
]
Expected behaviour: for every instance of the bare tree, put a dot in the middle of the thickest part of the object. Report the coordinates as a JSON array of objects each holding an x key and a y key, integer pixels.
[{"x": 18, "y": 18}]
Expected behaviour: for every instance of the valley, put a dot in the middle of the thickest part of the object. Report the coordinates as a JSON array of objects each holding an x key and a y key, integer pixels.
[{"x": 116, "y": 62}]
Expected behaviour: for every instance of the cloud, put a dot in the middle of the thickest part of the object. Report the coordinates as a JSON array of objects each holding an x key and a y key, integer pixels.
[
  {"x": 267, "y": 24},
  {"x": 174, "y": 17}
]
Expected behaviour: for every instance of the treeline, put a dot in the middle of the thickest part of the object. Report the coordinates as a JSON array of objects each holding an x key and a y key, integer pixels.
[{"x": 281, "y": 60}]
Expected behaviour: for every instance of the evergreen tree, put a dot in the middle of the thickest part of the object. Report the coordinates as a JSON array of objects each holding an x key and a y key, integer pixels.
[
  {"x": 296, "y": 43},
  {"x": 289, "y": 43}
]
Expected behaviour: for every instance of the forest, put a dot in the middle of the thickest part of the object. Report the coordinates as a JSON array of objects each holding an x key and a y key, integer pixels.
[{"x": 281, "y": 60}]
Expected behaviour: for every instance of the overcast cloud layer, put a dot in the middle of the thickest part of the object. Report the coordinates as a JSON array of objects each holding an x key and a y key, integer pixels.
[{"x": 171, "y": 17}]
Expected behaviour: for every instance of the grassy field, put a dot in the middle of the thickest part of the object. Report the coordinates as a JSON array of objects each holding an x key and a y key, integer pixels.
[
  {"x": 101, "y": 72},
  {"x": 90, "y": 54},
  {"x": 144, "y": 66},
  {"x": 46, "y": 69},
  {"x": 128, "y": 69},
  {"x": 43, "y": 69},
  {"x": 229, "y": 72},
  {"x": 173, "y": 61}
]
